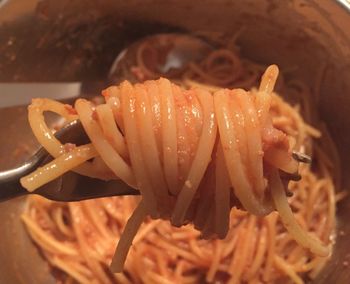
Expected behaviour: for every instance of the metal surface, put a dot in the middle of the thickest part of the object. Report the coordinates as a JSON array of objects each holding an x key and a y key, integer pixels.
[
  {"x": 78, "y": 40},
  {"x": 22, "y": 93}
]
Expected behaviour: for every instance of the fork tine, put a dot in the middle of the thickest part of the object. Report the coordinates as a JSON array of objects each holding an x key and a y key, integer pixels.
[
  {"x": 288, "y": 176},
  {"x": 302, "y": 158}
]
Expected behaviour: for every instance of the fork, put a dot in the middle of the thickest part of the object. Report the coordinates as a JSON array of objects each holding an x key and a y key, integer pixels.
[{"x": 70, "y": 186}]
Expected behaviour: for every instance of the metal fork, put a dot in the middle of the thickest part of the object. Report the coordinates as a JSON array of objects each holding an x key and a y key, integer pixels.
[{"x": 70, "y": 186}]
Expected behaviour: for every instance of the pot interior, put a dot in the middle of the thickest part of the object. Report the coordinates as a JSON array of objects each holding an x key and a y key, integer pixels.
[{"x": 78, "y": 41}]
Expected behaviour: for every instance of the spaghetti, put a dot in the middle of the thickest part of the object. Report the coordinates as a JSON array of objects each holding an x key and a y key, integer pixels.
[{"x": 193, "y": 156}]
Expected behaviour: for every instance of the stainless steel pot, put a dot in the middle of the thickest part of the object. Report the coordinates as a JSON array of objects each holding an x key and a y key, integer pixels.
[{"x": 78, "y": 40}]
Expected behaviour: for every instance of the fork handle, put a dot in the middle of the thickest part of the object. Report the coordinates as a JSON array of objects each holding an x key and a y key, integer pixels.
[
  {"x": 10, "y": 186},
  {"x": 10, "y": 190}
]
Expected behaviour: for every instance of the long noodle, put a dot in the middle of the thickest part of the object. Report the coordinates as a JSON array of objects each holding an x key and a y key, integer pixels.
[{"x": 193, "y": 154}]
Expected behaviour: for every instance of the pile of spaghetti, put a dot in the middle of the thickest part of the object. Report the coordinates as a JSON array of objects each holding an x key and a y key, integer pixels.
[{"x": 212, "y": 166}]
